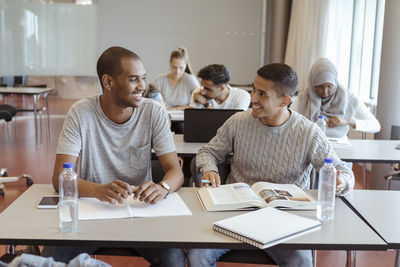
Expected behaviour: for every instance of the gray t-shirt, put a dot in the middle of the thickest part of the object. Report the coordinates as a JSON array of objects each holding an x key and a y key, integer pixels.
[
  {"x": 178, "y": 95},
  {"x": 111, "y": 151}
]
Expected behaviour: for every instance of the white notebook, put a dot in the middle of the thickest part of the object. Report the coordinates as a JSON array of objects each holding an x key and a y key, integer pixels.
[
  {"x": 266, "y": 227},
  {"x": 94, "y": 209}
]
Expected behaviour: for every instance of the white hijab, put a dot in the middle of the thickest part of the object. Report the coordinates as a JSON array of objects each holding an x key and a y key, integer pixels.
[{"x": 311, "y": 105}]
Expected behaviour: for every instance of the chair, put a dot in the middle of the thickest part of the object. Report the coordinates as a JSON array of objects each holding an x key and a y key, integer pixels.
[
  {"x": 7, "y": 113},
  {"x": 394, "y": 173}
]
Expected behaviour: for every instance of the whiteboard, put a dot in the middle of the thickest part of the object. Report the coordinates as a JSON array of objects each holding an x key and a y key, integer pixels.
[{"x": 226, "y": 32}]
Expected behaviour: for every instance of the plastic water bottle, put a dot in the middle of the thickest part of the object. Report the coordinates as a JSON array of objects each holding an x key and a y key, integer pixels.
[
  {"x": 321, "y": 123},
  {"x": 68, "y": 198},
  {"x": 326, "y": 191}
]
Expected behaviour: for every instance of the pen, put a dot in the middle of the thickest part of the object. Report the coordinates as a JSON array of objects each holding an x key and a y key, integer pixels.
[{"x": 206, "y": 181}]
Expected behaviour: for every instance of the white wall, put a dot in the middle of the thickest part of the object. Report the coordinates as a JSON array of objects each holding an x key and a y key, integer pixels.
[{"x": 225, "y": 31}]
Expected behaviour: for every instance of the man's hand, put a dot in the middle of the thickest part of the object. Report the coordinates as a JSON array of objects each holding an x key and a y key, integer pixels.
[
  {"x": 114, "y": 192},
  {"x": 213, "y": 177},
  {"x": 338, "y": 121},
  {"x": 199, "y": 98},
  {"x": 150, "y": 192},
  {"x": 340, "y": 185}
]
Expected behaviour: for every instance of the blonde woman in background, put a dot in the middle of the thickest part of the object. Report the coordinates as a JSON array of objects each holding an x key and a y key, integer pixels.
[{"x": 176, "y": 87}]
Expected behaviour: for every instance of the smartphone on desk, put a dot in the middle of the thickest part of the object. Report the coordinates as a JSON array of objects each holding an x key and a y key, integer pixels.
[
  {"x": 48, "y": 202},
  {"x": 398, "y": 146}
]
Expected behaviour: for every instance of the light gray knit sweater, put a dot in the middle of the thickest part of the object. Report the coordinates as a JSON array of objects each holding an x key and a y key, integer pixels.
[{"x": 283, "y": 154}]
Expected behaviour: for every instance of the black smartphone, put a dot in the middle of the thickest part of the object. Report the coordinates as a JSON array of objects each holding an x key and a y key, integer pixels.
[
  {"x": 48, "y": 202},
  {"x": 398, "y": 146}
]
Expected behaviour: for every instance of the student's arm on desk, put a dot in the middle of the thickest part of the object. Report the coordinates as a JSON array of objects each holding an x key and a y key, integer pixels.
[
  {"x": 152, "y": 192},
  {"x": 113, "y": 192}
]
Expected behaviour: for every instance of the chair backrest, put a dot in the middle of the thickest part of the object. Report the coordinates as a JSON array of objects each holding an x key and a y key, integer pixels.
[{"x": 395, "y": 132}]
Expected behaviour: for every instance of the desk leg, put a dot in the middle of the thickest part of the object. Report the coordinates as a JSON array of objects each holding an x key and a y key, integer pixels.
[
  {"x": 364, "y": 166},
  {"x": 351, "y": 258},
  {"x": 35, "y": 118},
  {"x": 396, "y": 259},
  {"x": 48, "y": 115}
]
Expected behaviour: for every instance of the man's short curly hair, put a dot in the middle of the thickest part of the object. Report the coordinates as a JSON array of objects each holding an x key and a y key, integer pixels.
[
  {"x": 218, "y": 74},
  {"x": 110, "y": 61}
]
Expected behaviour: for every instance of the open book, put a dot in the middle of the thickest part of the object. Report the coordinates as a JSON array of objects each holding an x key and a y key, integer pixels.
[
  {"x": 266, "y": 227},
  {"x": 240, "y": 196},
  {"x": 94, "y": 209}
]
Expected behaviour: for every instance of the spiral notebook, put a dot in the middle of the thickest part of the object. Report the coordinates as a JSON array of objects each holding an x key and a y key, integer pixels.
[{"x": 266, "y": 227}]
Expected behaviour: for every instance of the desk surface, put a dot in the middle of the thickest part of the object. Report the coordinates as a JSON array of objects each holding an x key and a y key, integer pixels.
[
  {"x": 361, "y": 150},
  {"x": 380, "y": 209},
  {"x": 371, "y": 151},
  {"x": 23, "y": 223},
  {"x": 25, "y": 90}
]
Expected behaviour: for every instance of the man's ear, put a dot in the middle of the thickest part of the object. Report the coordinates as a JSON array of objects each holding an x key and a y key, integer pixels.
[
  {"x": 286, "y": 100},
  {"x": 107, "y": 81}
]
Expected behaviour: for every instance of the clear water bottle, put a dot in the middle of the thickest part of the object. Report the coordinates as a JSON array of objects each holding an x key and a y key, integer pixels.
[
  {"x": 68, "y": 195},
  {"x": 326, "y": 191},
  {"x": 321, "y": 123}
]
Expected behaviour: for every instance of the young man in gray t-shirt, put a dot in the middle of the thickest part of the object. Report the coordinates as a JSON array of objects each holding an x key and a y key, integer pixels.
[{"x": 114, "y": 134}]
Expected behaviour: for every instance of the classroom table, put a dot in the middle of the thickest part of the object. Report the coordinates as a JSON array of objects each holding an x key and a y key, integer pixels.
[
  {"x": 23, "y": 223},
  {"x": 36, "y": 93},
  {"x": 378, "y": 208}
]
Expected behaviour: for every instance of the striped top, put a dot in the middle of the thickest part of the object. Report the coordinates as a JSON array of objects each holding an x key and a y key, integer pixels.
[{"x": 282, "y": 154}]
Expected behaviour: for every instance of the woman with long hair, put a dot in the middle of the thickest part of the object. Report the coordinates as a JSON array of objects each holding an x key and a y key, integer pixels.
[{"x": 176, "y": 87}]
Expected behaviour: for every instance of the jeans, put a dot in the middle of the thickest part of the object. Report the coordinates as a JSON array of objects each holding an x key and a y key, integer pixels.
[
  {"x": 162, "y": 257},
  {"x": 285, "y": 258}
]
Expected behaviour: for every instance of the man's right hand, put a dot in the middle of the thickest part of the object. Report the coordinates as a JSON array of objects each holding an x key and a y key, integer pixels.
[
  {"x": 113, "y": 193},
  {"x": 199, "y": 98},
  {"x": 213, "y": 177}
]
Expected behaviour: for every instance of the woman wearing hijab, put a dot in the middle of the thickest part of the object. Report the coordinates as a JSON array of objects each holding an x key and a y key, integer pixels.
[{"x": 340, "y": 107}]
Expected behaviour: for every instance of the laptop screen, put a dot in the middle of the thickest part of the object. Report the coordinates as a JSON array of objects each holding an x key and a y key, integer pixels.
[{"x": 201, "y": 125}]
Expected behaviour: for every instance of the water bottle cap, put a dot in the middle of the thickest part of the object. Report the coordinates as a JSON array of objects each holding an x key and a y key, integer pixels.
[
  {"x": 328, "y": 160},
  {"x": 320, "y": 116},
  {"x": 68, "y": 165}
]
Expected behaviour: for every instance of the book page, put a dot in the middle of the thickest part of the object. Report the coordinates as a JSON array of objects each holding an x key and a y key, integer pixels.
[
  {"x": 232, "y": 193},
  {"x": 284, "y": 195},
  {"x": 94, "y": 209}
]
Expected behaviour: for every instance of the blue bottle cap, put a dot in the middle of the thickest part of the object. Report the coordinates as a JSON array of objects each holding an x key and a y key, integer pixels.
[
  {"x": 320, "y": 116},
  {"x": 68, "y": 165},
  {"x": 328, "y": 160}
]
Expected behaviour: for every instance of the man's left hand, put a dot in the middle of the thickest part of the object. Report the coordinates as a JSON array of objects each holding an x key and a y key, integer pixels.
[{"x": 150, "y": 192}]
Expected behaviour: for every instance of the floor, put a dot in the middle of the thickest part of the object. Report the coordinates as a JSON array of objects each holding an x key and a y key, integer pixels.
[{"x": 19, "y": 154}]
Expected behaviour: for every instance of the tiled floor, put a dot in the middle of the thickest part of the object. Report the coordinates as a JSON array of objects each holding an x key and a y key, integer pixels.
[{"x": 20, "y": 155}]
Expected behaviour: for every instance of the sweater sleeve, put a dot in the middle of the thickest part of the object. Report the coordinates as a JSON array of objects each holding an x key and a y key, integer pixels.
[
  {"x": 321, "y": 149},
  {"x": 210, "y": 155},
  {"x": 365, "y": 120}
]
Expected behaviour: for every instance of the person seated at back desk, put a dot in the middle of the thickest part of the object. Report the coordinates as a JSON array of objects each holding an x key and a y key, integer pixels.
[
  {"x": 216, "y": 92},
  {"x": 269, "y": 143},
  {"x": 340, "y": 107},
  {"x": 114, "y": 134}
]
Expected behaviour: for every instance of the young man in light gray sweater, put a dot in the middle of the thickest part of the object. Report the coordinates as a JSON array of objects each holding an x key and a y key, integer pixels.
[{"x": 269, "y": 143}]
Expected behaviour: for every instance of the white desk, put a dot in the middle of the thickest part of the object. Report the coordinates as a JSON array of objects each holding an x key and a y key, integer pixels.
[
  {"x": 379, "y": 208},
  {"x": 370, "y": 151},
  {"x": 36, "y": 93},
  {"x": 23, "y": 223}
]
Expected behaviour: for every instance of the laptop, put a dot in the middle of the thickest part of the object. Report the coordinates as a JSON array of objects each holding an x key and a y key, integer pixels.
[{"x": 200, "y": 125}]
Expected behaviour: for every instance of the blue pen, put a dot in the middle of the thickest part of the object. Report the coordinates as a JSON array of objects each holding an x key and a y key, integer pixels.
[{"x": 206, "y": 181}]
